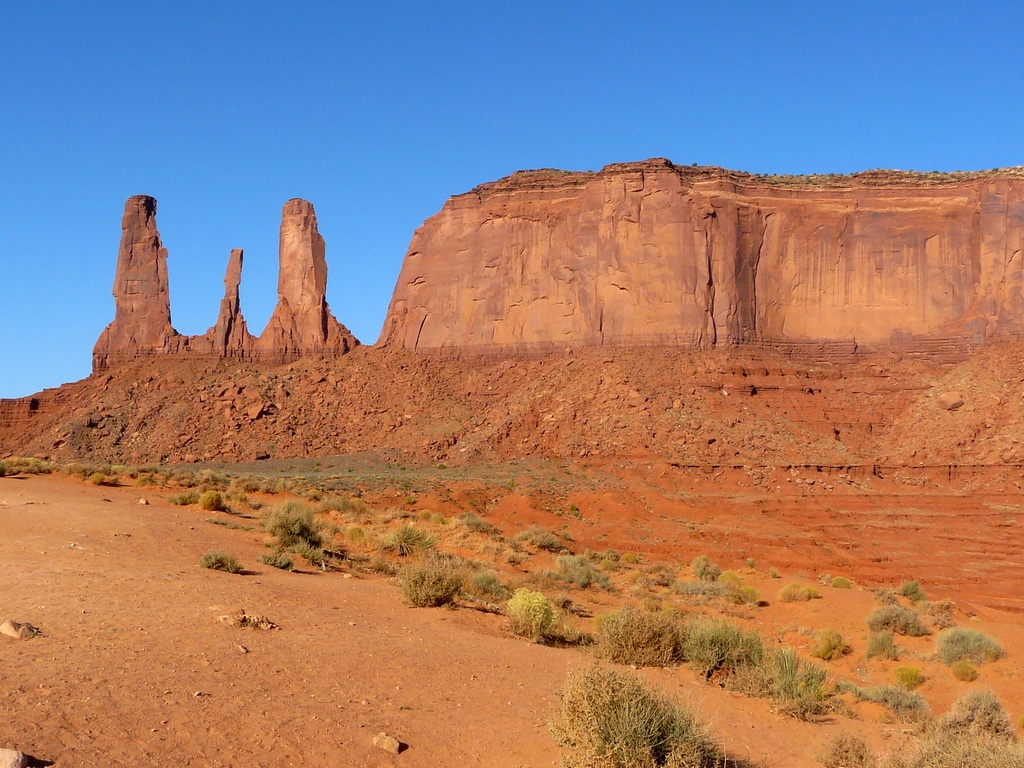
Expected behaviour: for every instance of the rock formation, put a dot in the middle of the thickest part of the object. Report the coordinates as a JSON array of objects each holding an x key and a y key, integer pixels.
[
  {"x": 302, "y": 323},
  {"x": 653, "y": 253}
]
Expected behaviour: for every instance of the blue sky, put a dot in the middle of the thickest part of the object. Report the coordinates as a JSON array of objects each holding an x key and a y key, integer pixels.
[{"x": 378, "y": 112}]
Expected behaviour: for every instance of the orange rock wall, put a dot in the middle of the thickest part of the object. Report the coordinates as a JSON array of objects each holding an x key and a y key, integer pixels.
[{"x": 651, "y": 253}]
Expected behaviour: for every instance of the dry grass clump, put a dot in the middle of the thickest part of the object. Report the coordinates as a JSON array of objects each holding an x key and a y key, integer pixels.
[
  {"x": 532, "y": 615},
  {"x": 904, "y": 704},
  {"x": 431, "y": 583},
  {"x": 184, "y": 499},
  {"x": 828, "y": 645},
  {"x": 27, "y": 466},
  {"x": 704, "y": 569},
  {"x": 278, "y": 560},
  {"x": 220, "y": 561},
  {"x": 841, "y": 582},
  {"x": 897, "y": 619},
  {"x": 798, "y": 593},
  {"x": 628, "y": 636},
  {"x": 477, "y": 524},
  {"x": 882, "y": 645},
  {"x": 578, "y": 570},
  {"x": 292, "y": 524},
  {"x": 909, "y": 677},
  {"x": 960, "y": 644},
  {"x": 712, "y": 646},
  {"x": 407, "y": 539},
  {"x": 211, "y": 501},
  {"x": 845, "y": 751},
  {"x": 940, "y": 613},
  {"x": 912, "y": 591},
  {"x": 611, "y": 719},
  {"x": 537, "y": 537},
  {"x": 963, "y": 671},
  {"x": 487, "y": 584}
]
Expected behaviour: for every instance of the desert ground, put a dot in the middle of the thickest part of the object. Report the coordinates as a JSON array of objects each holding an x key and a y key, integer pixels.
[{"x": 139, "y": 663}]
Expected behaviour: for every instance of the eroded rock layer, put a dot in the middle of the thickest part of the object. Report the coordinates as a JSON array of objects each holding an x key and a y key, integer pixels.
[
  {"x": 651, "y": 253},
  {"x": 301, "y": 325}
]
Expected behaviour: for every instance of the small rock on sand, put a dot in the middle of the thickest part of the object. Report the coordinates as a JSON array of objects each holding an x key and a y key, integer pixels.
[
  {"x": 18, "y": 631},
  {"x": 387, "y": 743}
]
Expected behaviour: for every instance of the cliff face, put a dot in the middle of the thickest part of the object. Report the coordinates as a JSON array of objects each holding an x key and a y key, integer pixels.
[
  {"x": 651, "y": 253},
  {"x": 301, "y": 325}
]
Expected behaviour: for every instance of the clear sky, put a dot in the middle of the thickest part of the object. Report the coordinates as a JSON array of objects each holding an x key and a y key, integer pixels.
[{"x": 377, "y": 112}]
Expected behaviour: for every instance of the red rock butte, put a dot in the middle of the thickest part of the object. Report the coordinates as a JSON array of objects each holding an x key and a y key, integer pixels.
[
  {"x": 301, "y": 324},
  {"x": 653, "y": 253}
]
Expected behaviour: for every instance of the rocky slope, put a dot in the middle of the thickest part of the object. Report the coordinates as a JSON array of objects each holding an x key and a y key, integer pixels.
[
  {"x": 653, "y": 253},
  {"x": 302, "y": 323}
]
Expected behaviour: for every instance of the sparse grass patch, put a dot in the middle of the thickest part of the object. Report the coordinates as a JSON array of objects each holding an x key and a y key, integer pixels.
[
  {"x": 537, "y": 537},
  {"x": 430, "y": 583},
  {"x": 704, "y": 569},
  {"x": 220, "y": 561},
  {"x": 845, "y": 751},
  {"x": 828, "y": 645},
  {"x": 28, "y": 466},
  {"x": 477, "y": 524},
  {"x": 940, "y": 612},
  {"x": 967, "y": 644},
  {"x": 611, "y": 719},
  {"x": 531, "y": 615},
  {"x": 912, "y": 591},
  {"x": 628, "y": 636},
  {"x": 882, "y": 645},
  {"x": 578, "y": 570},
  {"x": 904, "y": 704},
  {"x": 312, "y": 554},
  {"x": 487, "y": 584},
  {"x": 897, "y": 619}
]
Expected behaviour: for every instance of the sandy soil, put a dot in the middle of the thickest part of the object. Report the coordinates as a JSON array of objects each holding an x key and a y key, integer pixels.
[{"x": 134, "y": 667}]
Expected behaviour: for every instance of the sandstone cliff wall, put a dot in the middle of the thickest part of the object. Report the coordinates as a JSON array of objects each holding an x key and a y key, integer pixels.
[
  {"x": 301, "y": 324},
  {"x": 652, "y": 253}
]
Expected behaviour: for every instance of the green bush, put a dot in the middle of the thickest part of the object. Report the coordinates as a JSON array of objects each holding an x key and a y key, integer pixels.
[
  {"x": 912, "y": 591},
  {"x": 967, "y": 644},
  {"x": 629, "y": 636},
  {"x": 211, "y": 501},
  {"x": 829, "y": 645},
  {"x": 541, "y": 539},
  {"x": 611, "y": 719},
  {"x": 293, "y": 523},
  {"x": 279, "y": 560},
  {"x": 220, "y": 561},
  {"x": 909, "y": 677},
  {"x": 189, "y": 497},
  {"x": 488, "y": 584},
  {"x": 841, "y": 582},
  {"x": 898, "y": 619},
  {"x": 407, "y": 539},
  {"x": 882, "y": 645},
  {"x": 430, "y": 583},
  {"x": 578, "y": 570},
  {"x": 531, "y": 615},
  {"x": 711, "y": 646},
  {"x": 963, "y": 671},
  {"x": 705, "y": 570}
]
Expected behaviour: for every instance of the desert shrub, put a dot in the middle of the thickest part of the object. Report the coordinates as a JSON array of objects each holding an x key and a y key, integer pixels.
[
  {"x": 630, "y": 558},
  {"x": 407, "y": 539},
  {"x": 912, "y": 591},
  {"x": 829, "y": 645},
  {"x": 278, "y": 560},
  {"x": 964, "y": 671},
  {"x": 211, "y": 501},
  {"x": 967, "y": 644},
  {"x": 629, "y": 636},
  {"x": 488, "y": 584},
  {"x": 711, "y": 646},
  {"x": 704, "y": 569},
  {"x": 909, "y": 677},
  {"x": 905, "y": 704},
  {"x": 845, "y": 751},
  {"x": 292, "y": 524},
  {"x": 537, "y": 537},
  {"x": 430, "y": 583},
  {"x": 882, "y": 645},
  {"x": 531, "y": 615},
  {"x": 797, "y": 593},
  {"x": 184, "y": 499},
  {"x": 885, "y": 596},
  {"x": 841, "y": 582},
  {"x": 475, "y": 523},
  {"x": 977, "y": 712},
  {"x": 940, "y": 612},
  {"x": 897, "y": 619},
  {"x": 578, "y": 570},
  {"x": 797, "y": 686},
  {"x": 343, "y": 504},
  {"x": 730, "y": 579},
  {"x": 611, "y": 719},
  {"x": 27, "y": 465},
  {"x": 220, "y": 561},
  {"x": 145, "y": 479},
  {"x": 311, "y": 554},
  {"x": 745, "y": 595},
  {"x": 706, "y": 590},
  {"x": 97, "y": 478}
]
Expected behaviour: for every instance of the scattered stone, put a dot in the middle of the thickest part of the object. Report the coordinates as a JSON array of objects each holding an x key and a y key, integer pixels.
[
  {"x": 143, "y": 503},
  {"x": 951, "y": 400},
  {"x": 18, "y": 630},
  {"x": 387, "y": 743},
  {"x": 12, "y": 758},
  {"x": 242, "y": 619}
]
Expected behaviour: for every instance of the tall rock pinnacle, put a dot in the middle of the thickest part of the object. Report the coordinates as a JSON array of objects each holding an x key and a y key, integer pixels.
[
  {"x": 142, "y": 318},
  {"x": 230, "y": 337},
  {"x": 302, "y": 323}
]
